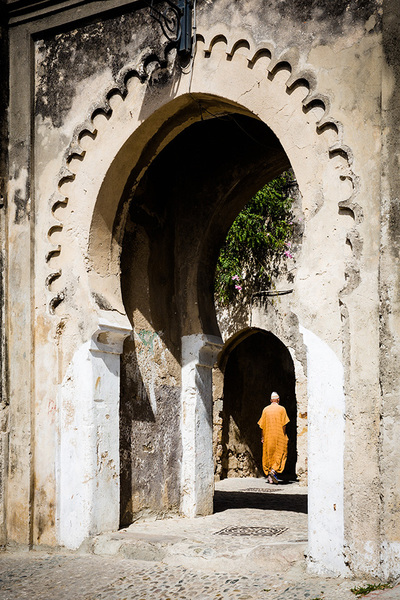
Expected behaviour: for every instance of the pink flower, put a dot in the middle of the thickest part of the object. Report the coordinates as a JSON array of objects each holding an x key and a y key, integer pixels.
[
  {"x": 288, "y": 244},
  {"x": 287, "y": 253},
  {"x": 235, "y": 277},
  {"x": 238, "y": 288}
]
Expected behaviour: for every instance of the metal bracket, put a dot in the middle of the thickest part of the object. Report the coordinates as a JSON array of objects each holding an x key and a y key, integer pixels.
[{"x": 176, "y": 23}]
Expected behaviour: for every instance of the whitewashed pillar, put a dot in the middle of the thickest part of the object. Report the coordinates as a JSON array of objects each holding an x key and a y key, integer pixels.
[
  {"x": 326, "y": 439},
  {"x": 199, "y": 353},
  {"x": 4, "y": 444},
  {"x": 88, "y": 462}
]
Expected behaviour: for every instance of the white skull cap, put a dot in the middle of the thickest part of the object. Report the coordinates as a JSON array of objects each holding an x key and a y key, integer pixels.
[{"x": 274, "y": 396}]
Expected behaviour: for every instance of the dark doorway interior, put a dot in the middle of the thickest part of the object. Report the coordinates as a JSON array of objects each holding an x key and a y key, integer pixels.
[{"x": 256, "y": 367}]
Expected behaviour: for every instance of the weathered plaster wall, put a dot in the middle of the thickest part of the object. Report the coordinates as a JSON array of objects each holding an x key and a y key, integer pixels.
[
  {"x": 150, "y": 447},
  {"x": 318, "y": 212},
  {"x": 71, "y": 61},
  {"x": 18, "y": 271},
  {"x": 333, "y": 52},
  {"x": 312, "y": 24},
  {"x": 314, "y": 288},
  {"x": 326, "y": 424},
  {"x": 88, "y": 465},
  {"x": 71, "y": 70}
]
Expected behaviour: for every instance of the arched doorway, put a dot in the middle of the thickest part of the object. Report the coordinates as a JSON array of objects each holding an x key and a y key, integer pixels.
[
  {"x": 179, "y": 215},
  {"x": 169, "y": 235},
  {"x": 254, "y": 365}
]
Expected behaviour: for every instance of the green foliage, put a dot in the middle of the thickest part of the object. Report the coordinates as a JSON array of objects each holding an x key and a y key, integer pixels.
[
  {"x": 363, "y": 591},
  {"x": 257, "y": 243}
]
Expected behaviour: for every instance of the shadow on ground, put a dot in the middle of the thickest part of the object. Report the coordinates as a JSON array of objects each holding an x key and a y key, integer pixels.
[{"x": 263, "y": 501}]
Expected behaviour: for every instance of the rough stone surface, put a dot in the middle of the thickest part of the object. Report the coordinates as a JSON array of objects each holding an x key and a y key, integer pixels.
[{"x": 390, "y": 288}]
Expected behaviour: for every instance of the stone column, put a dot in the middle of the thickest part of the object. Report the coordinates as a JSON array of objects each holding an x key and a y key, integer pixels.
[
  {"x": 199, "y": 353},
  {"x": 88, "y": 462}
]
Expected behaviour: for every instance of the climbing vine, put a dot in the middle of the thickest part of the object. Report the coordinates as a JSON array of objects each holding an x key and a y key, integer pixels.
[{"x": 258, "y": 243}]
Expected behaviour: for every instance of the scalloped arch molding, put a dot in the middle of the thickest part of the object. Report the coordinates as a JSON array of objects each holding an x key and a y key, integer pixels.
[{"x": 279, "y": 89}]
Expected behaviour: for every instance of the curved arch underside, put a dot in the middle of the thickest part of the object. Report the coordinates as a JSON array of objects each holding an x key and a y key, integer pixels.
[{"x": 181, "y": 212}]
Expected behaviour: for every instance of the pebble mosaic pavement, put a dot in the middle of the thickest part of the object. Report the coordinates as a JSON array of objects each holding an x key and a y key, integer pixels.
[{"x": 214, "y": 573}]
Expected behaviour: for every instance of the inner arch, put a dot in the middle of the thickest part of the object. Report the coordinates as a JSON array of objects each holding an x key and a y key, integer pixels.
[
  {"x": 184, "y": 206},
  {"x": 255, "y": 363}
]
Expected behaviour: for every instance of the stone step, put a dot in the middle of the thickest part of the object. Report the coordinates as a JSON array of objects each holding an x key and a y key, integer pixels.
[{"x": 213, "y": 554}]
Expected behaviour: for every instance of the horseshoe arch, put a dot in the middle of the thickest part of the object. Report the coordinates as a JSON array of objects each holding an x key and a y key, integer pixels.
[{"x": 145, "y": 109}]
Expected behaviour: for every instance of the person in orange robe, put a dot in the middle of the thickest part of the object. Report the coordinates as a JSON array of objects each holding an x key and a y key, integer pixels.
[{"x": 274, "y": 439}]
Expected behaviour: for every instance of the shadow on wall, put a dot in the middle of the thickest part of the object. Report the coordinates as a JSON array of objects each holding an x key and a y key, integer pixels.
[
  {"x": 149, "y": 457},
  {"x": 256, "y": 367}
]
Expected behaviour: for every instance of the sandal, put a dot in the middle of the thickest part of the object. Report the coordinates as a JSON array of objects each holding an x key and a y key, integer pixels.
[{"x": 272, "y": 474}]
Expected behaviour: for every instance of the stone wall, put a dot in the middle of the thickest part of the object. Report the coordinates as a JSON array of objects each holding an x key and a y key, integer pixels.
[
  {"x": 232, "y": 455},
  {"x": 4, "y": 400},
  {"x": 390, "y": 289}
]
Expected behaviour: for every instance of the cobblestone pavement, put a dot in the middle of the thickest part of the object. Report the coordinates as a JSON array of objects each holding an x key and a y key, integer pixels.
[
  {"x": 262, "y": 557},
  {"x": 64, "y": 577}
]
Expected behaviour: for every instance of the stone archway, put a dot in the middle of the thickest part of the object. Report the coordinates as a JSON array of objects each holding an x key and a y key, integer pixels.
[
  {"x": 104, "y": 168},
  {"x": 254, "y": 364}
]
